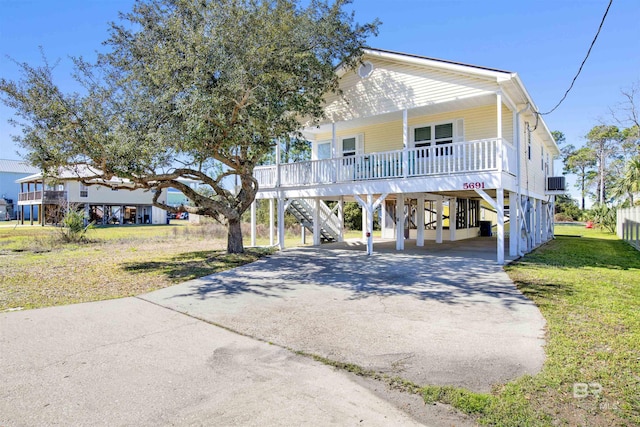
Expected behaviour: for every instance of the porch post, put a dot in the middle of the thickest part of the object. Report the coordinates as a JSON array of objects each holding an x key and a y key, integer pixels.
[
  {"x": 500, "y": 211},
  {"x": 341, "y": 218},
  {"x": 499, "y": 156},
  {"x": 400, "y": 222},
  {"x": 439, "y": 209},
  {"x": 333, "y": 141},
  {"x": 253, "y": 223},
  {"x": 316, "y": 222},
  {"x": 281, "y": 222},
  {"x": 278, "y": 175},
  {"x": 538, "y": 228},
  {"x": 271, "y": 222},
  {"x": 420, "y": 221},
  {"x": 405, "y": 142},
  {"x": 453, "y": 215},
  {"x": 514, "y": 224},
  {"x": 30, "y": 214}
]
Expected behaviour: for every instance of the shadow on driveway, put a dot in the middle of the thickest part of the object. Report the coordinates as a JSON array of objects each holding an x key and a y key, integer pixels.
[{"x": 442, "y": 314}]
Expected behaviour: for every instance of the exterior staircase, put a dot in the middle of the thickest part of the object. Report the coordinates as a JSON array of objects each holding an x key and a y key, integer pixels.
[{"x": 303, "y": 211}]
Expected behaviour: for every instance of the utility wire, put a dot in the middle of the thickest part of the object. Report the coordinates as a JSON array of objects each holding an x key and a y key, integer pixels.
[{"x": 579, "y": 69}]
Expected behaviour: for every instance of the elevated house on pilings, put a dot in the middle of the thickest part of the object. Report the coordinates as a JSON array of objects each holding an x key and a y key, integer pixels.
[
  {"x": 45, "y": 199},
  {"x": 428, "y": 142}
]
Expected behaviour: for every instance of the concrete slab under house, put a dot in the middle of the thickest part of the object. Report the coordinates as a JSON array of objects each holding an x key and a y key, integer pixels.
[{"x": 435, "y": 146}]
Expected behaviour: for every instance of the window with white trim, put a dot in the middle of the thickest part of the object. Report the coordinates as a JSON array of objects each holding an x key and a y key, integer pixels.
[
  {"x": 324, "y": 150},
  {"x": 349, "y": 146},
  {"x": 84, "y": 190},
  {"x": 432, "y": 135}
]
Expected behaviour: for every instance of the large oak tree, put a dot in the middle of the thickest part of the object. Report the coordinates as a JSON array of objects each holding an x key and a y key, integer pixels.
[{"x": 197, "y": 89}]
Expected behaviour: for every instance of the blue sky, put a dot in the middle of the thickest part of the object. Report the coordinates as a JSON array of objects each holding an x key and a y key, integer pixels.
[{"x": 544, "y": 41}]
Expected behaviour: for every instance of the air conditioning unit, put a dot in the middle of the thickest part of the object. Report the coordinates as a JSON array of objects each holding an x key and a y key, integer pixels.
[{"x": 555, "y": 183}]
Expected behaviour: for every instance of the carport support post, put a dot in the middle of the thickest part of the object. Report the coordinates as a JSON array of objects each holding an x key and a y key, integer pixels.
[
  {"x": 420, "y": 221},
  {"x": 514, "y": 224},
  {"x": 253, "y": 223},
  {"x": 439, "y": 209},
  {"x": 400, "y": 222},
  {"x": 538, "y": 234},
  {"x": 453, "y": 215},
  {"x": 316, "y": 222},
  {"x": 369, "y": 224},
  {"x": 341, "y": 218},
  {"x": 364, "y": 222},
  {"x": 271, "y": 222},
  {"x": 500, "y": 212},
  {"x": 281, "y": 223}
]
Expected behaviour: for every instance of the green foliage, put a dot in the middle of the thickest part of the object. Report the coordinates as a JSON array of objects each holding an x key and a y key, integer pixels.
[
  {"x": 73, "y": 229},
  {"x": 567, "y": 209},
  {"x": 208, "y": 85},
  {"x": 604, "y": 141},
  {"x": 603, "y": 216},
  {"x": 628, "y": 183},
  {"x": 582, "y": 163},
  {"x": 353, "y": 217}
]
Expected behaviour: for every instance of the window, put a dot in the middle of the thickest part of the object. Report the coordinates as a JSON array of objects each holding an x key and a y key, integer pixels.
[
  {"x": 440, "y": 134},
  {"x": 84, "y": 190},
  {"x": 542, "y": 158},
  {"x": 349, "y": 147},
  {"x": 324, "y": 150}
]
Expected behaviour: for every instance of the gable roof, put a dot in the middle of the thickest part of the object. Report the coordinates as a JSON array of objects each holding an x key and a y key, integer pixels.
[
  {"x": 16, "y": 166},
  {"x": 436, "y": 62}
]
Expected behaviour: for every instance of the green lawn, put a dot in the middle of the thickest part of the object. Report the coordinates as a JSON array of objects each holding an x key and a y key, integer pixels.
[{"x": 588, "y": 289}]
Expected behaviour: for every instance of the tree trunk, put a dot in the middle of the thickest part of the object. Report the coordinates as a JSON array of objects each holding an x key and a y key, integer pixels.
[{"x": 234, "y": 237}]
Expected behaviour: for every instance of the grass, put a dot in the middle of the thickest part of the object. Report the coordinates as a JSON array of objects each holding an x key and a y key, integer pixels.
[
  {"x": 38, "y": 270},
  {"x": 588, "y": 290}
]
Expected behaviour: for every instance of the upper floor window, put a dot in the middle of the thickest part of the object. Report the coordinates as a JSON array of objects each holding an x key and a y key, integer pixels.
[
  {"x": 324, "y": 150},
  {"x": 437, "y": 134},
  {"x": 84, "y": 190},
  {"x": 542, "y": 157},
  {"x": 349, "y": 147}
]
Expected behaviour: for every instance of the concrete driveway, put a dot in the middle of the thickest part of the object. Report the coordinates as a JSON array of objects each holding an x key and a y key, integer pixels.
[
  {"x": 442, "y": 314},
  {"x": 130, "y": 362},
  {"x": 435, "y": 315}
]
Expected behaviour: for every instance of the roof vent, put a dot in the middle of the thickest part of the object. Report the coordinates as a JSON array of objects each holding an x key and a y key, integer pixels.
[{"x": 365, "y": 69}]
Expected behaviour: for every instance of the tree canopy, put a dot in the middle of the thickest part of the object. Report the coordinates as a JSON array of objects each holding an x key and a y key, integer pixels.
[{"x": 197, "y": 89}]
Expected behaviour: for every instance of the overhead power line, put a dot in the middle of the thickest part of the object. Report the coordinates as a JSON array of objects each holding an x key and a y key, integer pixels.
[{"x": 581, "y": 65}]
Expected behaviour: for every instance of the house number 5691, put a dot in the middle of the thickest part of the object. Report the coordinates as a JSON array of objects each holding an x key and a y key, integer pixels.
[{"x": 472, "y": 185}]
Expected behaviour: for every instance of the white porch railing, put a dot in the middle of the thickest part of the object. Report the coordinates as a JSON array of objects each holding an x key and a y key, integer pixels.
[{"x": 469, "y": 156}]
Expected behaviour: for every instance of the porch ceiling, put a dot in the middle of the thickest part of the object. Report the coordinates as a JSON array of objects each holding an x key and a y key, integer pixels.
[{"x": 444, "y": 107}]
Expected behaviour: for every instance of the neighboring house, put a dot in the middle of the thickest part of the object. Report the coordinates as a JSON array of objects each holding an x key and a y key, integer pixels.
[
  {"x": 102, "y": 204},
  {"x": 10, "y": 171},
  {"x": 418, "y": 138}
]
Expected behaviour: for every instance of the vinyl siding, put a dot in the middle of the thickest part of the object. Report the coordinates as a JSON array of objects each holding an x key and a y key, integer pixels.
[
  {"x": 393, "y": 87},
  {"x": 479, "y": 123}
]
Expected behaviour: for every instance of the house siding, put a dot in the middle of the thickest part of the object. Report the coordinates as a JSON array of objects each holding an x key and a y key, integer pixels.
[
  {"x": 479, "y": 123},
  {"x": 103, "y": 195},
  {"x": 403, "y": 86}
]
